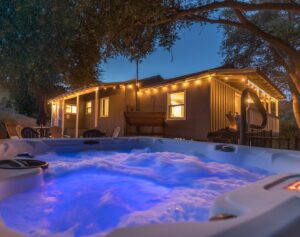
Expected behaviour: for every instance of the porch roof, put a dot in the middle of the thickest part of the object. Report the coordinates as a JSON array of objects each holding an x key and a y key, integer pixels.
[
  {"x": 231, "y": 76},
  {"x": 100, "y": 85}
]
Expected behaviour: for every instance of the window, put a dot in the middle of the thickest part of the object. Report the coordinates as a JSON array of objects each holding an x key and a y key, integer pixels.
[
  {"x": 71, "y": 109},
  {"x": 104, "y": 107},
  {"x": 176, "y": 105},
  {"x": 88, "y": 107},
  {"x": 237, "y": 103}
]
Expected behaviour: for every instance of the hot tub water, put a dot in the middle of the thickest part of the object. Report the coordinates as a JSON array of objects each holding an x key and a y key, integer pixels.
[{"x": 93, "y": 192}]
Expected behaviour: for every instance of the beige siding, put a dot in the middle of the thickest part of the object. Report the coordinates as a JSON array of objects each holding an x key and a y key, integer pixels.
[
  {"x": 117, "y": 107},
  {"x": 196, "y": 123},
  {"x": 222, "y": 102},
  {"x": 272, "y": 124}
]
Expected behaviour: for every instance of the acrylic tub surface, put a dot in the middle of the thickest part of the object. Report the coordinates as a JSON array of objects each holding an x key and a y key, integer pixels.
[{"x": 255, "y": 205}]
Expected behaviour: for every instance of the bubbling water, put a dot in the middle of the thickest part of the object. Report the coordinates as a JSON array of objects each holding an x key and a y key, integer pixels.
[{"x": 93, "y": 192}]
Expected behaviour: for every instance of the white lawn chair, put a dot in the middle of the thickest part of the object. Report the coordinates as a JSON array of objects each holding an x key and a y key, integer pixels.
[{"x": 116, "y": 132}]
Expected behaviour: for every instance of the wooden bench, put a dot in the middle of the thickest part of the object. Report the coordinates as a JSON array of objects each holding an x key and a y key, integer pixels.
[{"x": 145, "y": 119}]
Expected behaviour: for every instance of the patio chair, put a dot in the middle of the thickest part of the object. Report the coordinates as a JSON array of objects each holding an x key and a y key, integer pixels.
[
  {"x": 19, "y": 129},
  {"x": 3, "y": 131},
  {"x": 55, "y": 132},
  {"x": 116, "y": 132},
  {"x": 93, "y": 133},
  {"x": 11, "y": 129},
  {"x": 28, "y": 132}
]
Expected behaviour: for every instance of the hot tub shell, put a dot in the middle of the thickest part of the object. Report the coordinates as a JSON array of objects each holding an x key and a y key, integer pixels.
[{"x": 264, "y": 208}]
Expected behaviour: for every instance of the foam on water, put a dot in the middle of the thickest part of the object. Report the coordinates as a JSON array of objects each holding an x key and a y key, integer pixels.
[{"x": 91, "y": 193}]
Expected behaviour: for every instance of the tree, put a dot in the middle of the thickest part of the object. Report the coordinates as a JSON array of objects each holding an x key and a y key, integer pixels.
[
  {"x": 60, "y": 41},
  {"x": 47, "y": 43},
  {"x": 243, "y": 49},
  {"x": 161, "y": 20}
]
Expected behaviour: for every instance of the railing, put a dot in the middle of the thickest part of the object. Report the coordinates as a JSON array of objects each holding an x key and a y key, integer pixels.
[
  {"x": 272, "y": 121},
  {"x": 246, "y": 123},
  {"x": 297, "y": 143}
]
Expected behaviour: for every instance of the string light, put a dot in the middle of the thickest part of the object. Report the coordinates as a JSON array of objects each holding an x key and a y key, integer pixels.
[
  {"x": 185, "y": 84},
  {"x": 198, "y": 82}
]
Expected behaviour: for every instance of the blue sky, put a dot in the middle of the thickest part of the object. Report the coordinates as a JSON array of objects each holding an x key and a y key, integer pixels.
[{"x": 197, "y": 50}]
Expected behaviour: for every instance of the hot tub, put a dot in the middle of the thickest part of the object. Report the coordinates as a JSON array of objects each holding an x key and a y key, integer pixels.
[{"x": 150, "y": 187}]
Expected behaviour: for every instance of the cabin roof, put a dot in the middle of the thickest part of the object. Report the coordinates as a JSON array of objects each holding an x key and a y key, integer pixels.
[{"x": 254, "y": 75}]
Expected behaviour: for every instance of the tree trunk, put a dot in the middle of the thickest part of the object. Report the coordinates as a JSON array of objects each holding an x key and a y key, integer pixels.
[
  {"x": 296, "y": 107},
  {"x": 295, "y": 76}
]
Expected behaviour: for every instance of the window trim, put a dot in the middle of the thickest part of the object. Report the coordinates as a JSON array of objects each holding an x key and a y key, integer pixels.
[
  {"x": 101, "y": 101},
  {"x": 86, "y": 107},
  {"x": 71, "y": 109},
  {"x": 169, "y": 104}
]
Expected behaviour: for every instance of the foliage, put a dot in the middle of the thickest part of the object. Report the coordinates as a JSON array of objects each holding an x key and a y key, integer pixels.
[
  {"x": 288, "y": 126},
  {"x": 58, "y": 42},
  {"x": 24, "y": 102},
  {"x": 47, "y": 43},
  {"x": 130, "y": 28},
  {"x": 244, "y": 49}
]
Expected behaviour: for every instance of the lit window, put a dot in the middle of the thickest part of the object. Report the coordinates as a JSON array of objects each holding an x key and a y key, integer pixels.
[
  {"x": 88, "y": 107},
  {"x": 104, "y": 107},
  {"x": 71, "y": 109},
  {"x": 176, "y": 105},
  {"x": 237, "y": 103}
]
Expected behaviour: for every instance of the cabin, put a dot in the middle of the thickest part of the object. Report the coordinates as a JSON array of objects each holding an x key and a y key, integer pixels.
[{"x": 187, "y": 107}]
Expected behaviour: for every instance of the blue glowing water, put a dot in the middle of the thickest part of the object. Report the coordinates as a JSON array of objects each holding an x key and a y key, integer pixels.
[{"x": 91, "y": 193}]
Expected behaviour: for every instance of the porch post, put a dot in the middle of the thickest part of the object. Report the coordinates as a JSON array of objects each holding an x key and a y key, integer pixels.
[
  {"x": 77, "y": 117},
  {"x": 265, "y": 102},
  {"x": 269, "y": 109},
  {"x": 63, "y": 118},
  {"x": 96, "y": 107},
  {"x": 52, "y": 114},
  {"x": 276, "y": 106}
]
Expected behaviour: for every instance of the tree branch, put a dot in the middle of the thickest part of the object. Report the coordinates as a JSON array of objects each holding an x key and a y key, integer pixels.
[
  {"x": 274, "y": 41},
  {"x": 242, "y": 6},
  {"x": 213, "y": 21}
]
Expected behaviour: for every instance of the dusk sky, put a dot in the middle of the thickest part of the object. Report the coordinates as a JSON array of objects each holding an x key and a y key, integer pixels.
[{"x": 197, "y": 50}]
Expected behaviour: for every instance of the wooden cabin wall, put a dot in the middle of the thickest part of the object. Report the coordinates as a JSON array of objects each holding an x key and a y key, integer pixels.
[
  {"x": 222, "y": 101},
  {"x": 196, "y": 122},
  {"x": 118, "y": 100}
]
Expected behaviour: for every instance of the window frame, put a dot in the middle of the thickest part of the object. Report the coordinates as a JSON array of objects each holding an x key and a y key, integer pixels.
[
  {"x": 88, "y": 110},
  {"x": 169, "y": 105},
  {"x": 101, "y": 104},
  {"x": 72, "y": 107}
]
